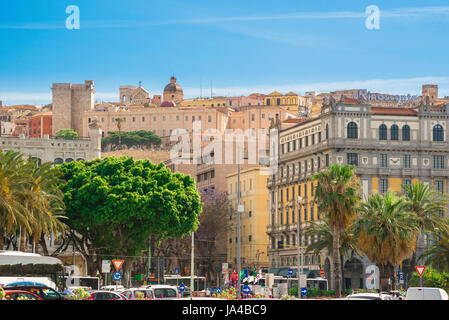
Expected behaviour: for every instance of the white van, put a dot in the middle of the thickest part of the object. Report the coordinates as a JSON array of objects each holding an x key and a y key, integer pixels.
[{"x": 418, "y": 293}]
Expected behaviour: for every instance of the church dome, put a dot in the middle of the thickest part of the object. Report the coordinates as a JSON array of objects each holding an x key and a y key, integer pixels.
[{"x": 172, "y": 86}]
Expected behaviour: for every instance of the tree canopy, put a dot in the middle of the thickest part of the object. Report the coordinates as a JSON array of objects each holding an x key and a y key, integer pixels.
[
  {"x": 118, "y": 203},
  {"x": 67, "y": 134},
  {"x": 141, "y": 138}
]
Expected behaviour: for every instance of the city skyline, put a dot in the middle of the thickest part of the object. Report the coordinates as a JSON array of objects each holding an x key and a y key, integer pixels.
[{"x": 232, "y": 48}]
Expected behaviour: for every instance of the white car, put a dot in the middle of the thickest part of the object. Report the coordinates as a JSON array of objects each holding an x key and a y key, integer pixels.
[
  {"x": 162, "y": 291},
  {"x": 368, "y": 296},
  {"x": 132, "y": 293},
  {"x": 415, "y": 293}
]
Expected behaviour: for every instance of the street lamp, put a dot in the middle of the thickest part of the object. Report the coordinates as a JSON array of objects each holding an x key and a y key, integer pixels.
[{"x": 299, "y": 249}]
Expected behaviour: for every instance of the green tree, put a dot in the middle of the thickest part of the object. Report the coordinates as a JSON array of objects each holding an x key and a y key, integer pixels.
[
  {"x": 437, "y": 255},
  {"x": 116, "y": 204},
  {"x": 386, "y": 232},
  {"x": 141, "y": 138},
  {"x": 337, "y": 196},
  {"x": 428, "y": 206},
  {"x": 322, "y": 232},
  {"x": 30, "y": 200},
  {"x": 431, "y": 278},
  {"x": 118, "y": 123},
  {"x": 67, "y": 134}
]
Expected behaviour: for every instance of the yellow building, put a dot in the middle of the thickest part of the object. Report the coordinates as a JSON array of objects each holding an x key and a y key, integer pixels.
[
  {"x": 206, "y": 102},
  {"x": 254, "y": 218},
  {"x": 289, "y": 101}
]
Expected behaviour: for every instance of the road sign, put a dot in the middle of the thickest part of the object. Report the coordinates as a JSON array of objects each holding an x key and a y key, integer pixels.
[
  {"x": 182, "y": 287},
  {"x": 176, "y": 270},
  {"x": 218, "y": 290},
  {"x": 420, "y": 270},
  {"x": 303, "y": 291},
  {"x": 117, "y": 264},
  {"x": 105, "y": 266},
  {"x": 401, "y": 276},
  {"x": 290, "y": 272},
  {"x": 322, "y": 272},
  {"x": 246, "y": 290},
  {"x": 117, "y": 276}
]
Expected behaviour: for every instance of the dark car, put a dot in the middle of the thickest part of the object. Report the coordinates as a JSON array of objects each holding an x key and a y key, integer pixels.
[{"x": 44, "y": 292}]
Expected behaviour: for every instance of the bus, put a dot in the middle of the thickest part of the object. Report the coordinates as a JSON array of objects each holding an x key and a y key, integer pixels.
[
  {"x": 199, "y": 283},
  {"x": 89, "y": 283},
  {"x": 317, "y": 283}
]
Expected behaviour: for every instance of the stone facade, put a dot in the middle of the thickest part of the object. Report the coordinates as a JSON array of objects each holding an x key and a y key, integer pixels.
[
  {"x": 55, "y": 150},
  {"x": 389, "y": 146},
  {"x": 70, "y": 101}
]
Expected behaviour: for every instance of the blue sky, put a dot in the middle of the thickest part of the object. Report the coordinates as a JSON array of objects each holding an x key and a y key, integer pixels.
[{"x": 238, "y": 47}]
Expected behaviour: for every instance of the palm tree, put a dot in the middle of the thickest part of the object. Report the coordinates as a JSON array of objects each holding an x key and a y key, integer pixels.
[
  {"x": 437, "y": 255},
  {"x": 118, "y": 123},
  {"x": 427, "y": 204},
  {"x": 386, "y": 232},
  {"x": 13, "y": 177},
  {"x": 337, "y": 197},
  {"x": 322, "y": 232}
]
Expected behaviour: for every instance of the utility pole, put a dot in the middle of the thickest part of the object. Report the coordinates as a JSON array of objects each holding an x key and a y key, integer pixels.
[
  {"x": 299, "y": 249},
  {"x": 239, "y": 265},
  {"x": 192, "y": 266},
  {"x": 149, "y": 257}
]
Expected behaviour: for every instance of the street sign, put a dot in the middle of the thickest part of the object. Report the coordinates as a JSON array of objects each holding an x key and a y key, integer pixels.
[
  {"x": 218, "y": 290},
  {"x": 117, "y": 276},
  {"x": 182, "y": 287},
  {"x": 176, "y": 270},
  {"x": 303, "y": 291},
  {"x": 401, "y": 276},
  {"x": 105, "y": 266},
  {"x": 117, "y": 264},
  {"x": 322, "y": 272},
  {"x": 420, "y": 270},
  {"x": 246, "y": 290},
  {"x": 290, "y": 272}
]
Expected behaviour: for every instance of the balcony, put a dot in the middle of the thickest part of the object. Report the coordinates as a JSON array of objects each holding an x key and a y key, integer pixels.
[
  {"x": 407, "y": 172},
  {"x": 384, "y": 171},
  {"x": 439, "y": 172}
]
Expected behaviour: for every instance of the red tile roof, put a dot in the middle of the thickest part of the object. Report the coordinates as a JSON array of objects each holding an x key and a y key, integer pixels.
[{"x": 393, "y": 111}]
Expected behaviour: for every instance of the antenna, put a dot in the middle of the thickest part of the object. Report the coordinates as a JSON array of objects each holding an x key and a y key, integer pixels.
[
  {"x": 201, "y": 88},
  {"x": 211, "y": 91}
]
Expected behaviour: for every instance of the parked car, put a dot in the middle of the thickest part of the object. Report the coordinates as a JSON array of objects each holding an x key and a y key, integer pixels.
[
  {"x": 15, "y": 294},
  {"x": 161, "y": 291},
  {"x": 369, "y": 296},
  {"x": 424, "y": 293},
  {"x": 105, "y": 295},
  {"x": 44, "y": 292},
  {"x": 132, "y": 293}
]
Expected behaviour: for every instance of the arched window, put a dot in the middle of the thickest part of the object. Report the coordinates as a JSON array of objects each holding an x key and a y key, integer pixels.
[
  {"x": 394, "y": 132},
  {"x": 352, "y": 130},
  {"x": 58, "y": 161},
  {"x": 406, "y": 133},
  {"x": 68, "y": 160},
  {"x": 438, "y": 134},
  {"x": 382, "y": 132}
]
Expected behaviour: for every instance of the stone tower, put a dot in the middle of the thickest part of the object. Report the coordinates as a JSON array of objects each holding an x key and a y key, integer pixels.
[
  {"x": 431, "y": 91},
  {"x": 70, "y": 101}
]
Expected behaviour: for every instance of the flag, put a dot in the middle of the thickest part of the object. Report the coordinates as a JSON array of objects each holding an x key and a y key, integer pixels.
[{"x": 258, "y": 277}]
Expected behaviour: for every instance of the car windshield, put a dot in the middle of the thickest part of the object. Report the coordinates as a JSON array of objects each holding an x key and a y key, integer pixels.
[
  {"x": 50, "y": 293},
  {"x": 165, "y": 293}
]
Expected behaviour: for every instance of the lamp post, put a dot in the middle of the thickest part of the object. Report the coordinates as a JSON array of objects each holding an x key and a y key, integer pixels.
[
  {"x": 239, "y": 209},
  {"x": 299, "y": 248}
]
